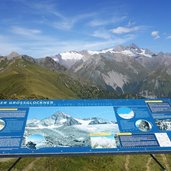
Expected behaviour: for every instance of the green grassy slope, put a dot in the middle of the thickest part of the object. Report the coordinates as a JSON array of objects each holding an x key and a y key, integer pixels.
[{"x": 23, "y": 78}]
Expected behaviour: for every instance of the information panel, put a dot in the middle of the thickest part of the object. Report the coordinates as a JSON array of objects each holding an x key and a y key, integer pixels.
[{"x": 63, "y": 127}]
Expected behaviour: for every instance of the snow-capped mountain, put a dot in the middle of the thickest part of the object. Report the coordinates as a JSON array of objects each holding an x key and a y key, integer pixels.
[
  {"x": 68, "y": 59},
  {"x": 120, "y": 69},
  {"x": 57, "y": 119},
  {"x": 131, "y": 51},
  {"x": 62, "y": 119}
]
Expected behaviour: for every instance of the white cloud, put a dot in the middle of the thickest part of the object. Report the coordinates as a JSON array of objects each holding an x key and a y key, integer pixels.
[
  {"x": 62, "y": 25},
  {"x": 59, "y": 20},
  {"x": 119, "y": 31},
  {"x": 64, "y": 22},
  {"x": 169, "y": 37},
  {"x": 67, "y": 23},
  {"x": 103, "y": 22},
  {"x": 25, "y": 31},
  {"x": 44, "y": 6},
  {"x": 124, "y": 30},
  {"x": 102, "y": 33},
  {"x": 155, "y": 34}
]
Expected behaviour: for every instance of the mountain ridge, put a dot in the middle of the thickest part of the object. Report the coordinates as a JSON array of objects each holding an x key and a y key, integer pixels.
[
  {"x": 24, "y": 77},
  {"x": 63, "y": 119},
  {"x": 122, "y": 70},
  {"x": 130, "y": 50}
]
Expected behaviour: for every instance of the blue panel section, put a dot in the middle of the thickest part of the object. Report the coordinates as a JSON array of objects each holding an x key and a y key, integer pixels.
[{"x": 45, "y": 127}]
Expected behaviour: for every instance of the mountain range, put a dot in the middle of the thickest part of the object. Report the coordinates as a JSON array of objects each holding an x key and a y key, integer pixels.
[
  {"x": 119, "y": 70},
  {"x": 61, "y": 119},
  {"x": 22, "y": 76},
  {"x": 122, "y": 69}
]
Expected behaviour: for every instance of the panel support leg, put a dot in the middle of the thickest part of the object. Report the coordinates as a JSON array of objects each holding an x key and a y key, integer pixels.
[
  {"x": 13, "y": 165},
  {"x": 158, "y": 162}
]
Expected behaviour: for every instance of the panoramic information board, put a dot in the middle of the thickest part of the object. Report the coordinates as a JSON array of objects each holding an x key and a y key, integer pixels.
[{"x": 63, "y": 127}]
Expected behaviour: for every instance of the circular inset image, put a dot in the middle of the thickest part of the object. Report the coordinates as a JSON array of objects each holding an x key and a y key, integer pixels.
[
  {"x": 125, "y": 112},
  {"x": 143, "y": 125},
  {"x": 35, "y": 141},
  {"x": 2, "y": 124}
]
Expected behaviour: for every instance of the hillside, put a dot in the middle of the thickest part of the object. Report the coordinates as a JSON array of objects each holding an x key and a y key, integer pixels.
[{"x": 23, "y": 78}]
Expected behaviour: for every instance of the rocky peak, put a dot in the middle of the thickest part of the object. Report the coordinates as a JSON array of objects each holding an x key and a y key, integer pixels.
[{"x": 13, "y": 55}]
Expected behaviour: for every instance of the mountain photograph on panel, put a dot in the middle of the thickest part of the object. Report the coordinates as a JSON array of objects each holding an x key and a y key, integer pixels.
[{"x": 70, "y": 127}]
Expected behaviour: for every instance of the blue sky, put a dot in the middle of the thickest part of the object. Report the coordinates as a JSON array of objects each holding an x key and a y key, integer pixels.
[
  {"x": 105, "y": 112},
  {"x": 47, "y": 27}
]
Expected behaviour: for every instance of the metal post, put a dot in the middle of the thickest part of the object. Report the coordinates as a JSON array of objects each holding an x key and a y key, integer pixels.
[
  {"x": 158, "y": 162},
  {"x": 13, "y": 165}
]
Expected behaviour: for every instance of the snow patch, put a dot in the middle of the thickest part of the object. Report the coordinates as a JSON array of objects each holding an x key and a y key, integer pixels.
[
  {"x": 101, "y": 51},
  {"x": 71, "y": 56},
  {"x": 127, "y": 52},
  {"x": 83, "y": 122},
  {"x": 143, "y": 52},
  {"x": 62, "y": 121},
  {"x": 55, "y": 59},
  {"x": 124, "y": 52}
]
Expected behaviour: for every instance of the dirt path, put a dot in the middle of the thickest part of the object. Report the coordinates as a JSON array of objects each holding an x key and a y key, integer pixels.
[
  {"x": 148, "y": 164},
  {"x": 166, "y": 165},
  {"x": 127, "y": 163},
  {"x": 30, "y": 166}
]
